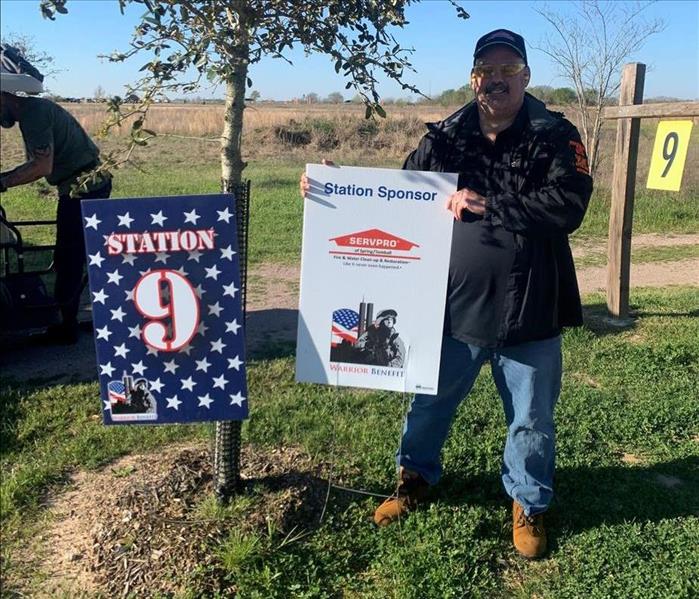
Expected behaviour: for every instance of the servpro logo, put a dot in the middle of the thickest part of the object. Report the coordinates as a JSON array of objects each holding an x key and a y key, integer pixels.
[{"x": 376, "y": 243}]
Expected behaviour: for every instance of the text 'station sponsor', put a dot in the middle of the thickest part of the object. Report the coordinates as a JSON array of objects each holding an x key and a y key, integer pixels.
[{"x": 382, "y": 192}]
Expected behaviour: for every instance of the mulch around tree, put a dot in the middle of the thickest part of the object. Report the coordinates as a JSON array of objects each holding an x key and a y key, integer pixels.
[{"x": 137, "y": 527}]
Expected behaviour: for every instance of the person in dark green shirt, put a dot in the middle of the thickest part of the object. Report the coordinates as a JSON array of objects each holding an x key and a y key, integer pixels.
[{"x": 58, "y": 149}]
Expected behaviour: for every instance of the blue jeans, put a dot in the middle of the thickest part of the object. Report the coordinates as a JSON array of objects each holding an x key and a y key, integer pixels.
[{"x": 528, "y": 378}]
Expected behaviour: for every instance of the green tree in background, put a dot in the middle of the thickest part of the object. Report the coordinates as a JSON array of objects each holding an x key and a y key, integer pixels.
[
  {"x": 335, "y": 98},
  {"x": 563, "y": 96},
  {"x": 455, "y": 97},
  {"x": 220, "y": 39},
  {"x": 559, "y": 96}
]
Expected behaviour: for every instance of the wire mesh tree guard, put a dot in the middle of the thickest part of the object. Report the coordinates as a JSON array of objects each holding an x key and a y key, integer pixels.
[{"x": 227, "y": 440}]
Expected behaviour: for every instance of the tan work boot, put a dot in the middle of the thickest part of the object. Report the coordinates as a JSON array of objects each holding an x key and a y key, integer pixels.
[
  {"x": 412, "y": 489},
  {"x": 528, "y": 532}
]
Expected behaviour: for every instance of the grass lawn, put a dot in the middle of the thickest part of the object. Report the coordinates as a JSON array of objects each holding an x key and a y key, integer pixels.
[
  {"x": 620, "y": 527},
  {"x": 276, "y": 209},
  {"x": 625, "y": 520}
]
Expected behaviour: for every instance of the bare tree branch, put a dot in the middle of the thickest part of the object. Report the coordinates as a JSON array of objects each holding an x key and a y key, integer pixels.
[{"x": 590, "y": 49}]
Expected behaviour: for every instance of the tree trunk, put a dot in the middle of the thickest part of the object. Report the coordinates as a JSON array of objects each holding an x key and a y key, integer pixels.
[
  {"x": 228, "y": 433},
  {"x": 232, "y": 164},
  {"x": 593, "y": 149}
]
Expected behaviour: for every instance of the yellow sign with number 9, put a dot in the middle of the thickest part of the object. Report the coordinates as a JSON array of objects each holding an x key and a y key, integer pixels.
[{"x": 669, "y": 154}]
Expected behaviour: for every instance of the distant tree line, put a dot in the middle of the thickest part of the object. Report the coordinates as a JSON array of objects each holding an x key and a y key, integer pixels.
[
  {"x": 99, "y": 98},
  {"x": 452, "y": 97},
  {"x": 559, "y": 96},
  {"x": 314, "y": 98},
  {"x": 553, "y": 96}
]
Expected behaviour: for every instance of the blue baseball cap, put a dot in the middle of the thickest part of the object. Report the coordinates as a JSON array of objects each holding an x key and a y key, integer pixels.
[{"x": 501, "y": 37}]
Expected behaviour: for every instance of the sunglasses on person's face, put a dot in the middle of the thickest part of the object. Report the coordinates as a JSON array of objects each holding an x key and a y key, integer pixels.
[{"x": 481, "y": 71}]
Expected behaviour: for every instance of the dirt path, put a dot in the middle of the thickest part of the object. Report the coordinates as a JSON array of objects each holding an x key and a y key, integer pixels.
[
  {"x": 648, "y": 274},
  {"x": 583, "y": 246},
  {"x": 272, "y": 307}
]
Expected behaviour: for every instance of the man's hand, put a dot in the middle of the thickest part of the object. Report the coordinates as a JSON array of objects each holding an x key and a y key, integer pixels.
[
  {"x": 465, "y": 199},
  {"x": 304, "y": 184}
]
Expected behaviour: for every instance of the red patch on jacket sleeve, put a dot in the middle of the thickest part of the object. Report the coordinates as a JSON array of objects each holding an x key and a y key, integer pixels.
[{"x": 581, "y": 164}]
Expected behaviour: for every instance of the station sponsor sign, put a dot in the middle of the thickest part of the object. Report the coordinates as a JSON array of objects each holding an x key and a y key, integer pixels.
[
  {"x": 164, "y": 277},
  {"x": 374, "y": 270}
]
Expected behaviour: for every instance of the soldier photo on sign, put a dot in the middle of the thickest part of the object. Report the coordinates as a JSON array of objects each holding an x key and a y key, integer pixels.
[
  {"x": 130, "y": 397},
  {"x": 381, "y": 345},
  {"x": 358, "y": 338}
]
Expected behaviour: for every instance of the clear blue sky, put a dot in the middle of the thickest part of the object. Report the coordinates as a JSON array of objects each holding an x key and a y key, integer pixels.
[{"x": 443, "y": 48}]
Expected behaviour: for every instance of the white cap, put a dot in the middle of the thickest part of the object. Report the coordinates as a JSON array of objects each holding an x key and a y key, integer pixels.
[{"x": 12, "y": 79}]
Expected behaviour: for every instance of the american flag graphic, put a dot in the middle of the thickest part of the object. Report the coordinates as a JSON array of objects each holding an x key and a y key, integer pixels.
[
  {"x": 116, "y": 392},
  {"x": 345, "y": 326},
  {"x": 166, "y": 305}
]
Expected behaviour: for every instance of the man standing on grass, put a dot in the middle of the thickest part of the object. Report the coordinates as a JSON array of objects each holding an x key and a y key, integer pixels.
[
  {"x": 57, "y": 148},
  {"x": 523, "y": 187}
]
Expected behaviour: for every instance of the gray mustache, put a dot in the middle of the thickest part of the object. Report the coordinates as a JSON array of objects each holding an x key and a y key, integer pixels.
[{"x": 496, "y": 87}]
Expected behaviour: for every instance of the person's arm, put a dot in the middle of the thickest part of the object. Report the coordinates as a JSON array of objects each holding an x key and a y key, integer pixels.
[
  {"x": 39, "y": 165},
  {"x": 420, "y": 158},
  {"x": 557, "y": 206}
]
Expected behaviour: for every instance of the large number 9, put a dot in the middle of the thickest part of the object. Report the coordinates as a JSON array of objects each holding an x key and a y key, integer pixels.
[
  {"x": 669, "y": 154},
  {"x": 166, "y": 294}
]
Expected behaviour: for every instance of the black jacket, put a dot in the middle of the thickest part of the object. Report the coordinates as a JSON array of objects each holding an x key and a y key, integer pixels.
[{"x": 537, "y": 193}]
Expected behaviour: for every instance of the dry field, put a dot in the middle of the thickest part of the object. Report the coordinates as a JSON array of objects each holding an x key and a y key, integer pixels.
[
  {"x": 272, "y": 130},
  {"x": 342, "y": 131},
  {"x": 204, "y": 120},
  {"x": 308, "y": 131}
]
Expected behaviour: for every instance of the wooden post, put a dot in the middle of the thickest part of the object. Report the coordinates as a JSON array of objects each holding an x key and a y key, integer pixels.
[{"x": 623, "y": 188}]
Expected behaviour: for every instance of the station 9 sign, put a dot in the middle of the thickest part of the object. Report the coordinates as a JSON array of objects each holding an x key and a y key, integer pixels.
[{"x": 165, "y": 284}]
